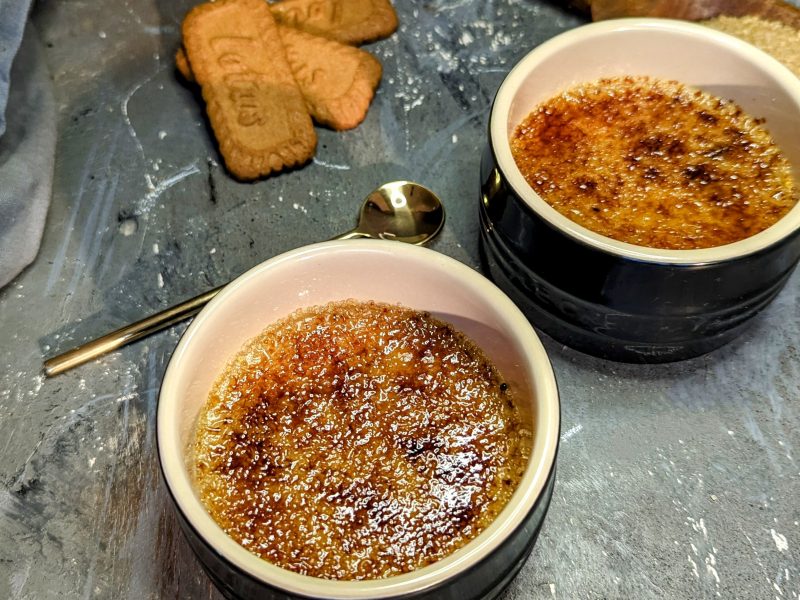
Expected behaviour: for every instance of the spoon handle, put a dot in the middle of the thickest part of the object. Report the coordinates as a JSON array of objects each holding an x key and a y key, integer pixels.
[
  {"x": 135, "y": 331},
  {"x": 126, "y": 335}
]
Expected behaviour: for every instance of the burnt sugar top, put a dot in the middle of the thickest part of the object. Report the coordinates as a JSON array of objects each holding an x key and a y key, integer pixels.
[
  {"x": 358, "y": 440},
  {"x": 654, "y": 163}
]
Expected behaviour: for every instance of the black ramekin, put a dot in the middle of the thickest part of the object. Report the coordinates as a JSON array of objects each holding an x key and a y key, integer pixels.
[
  {"x": 616, "y": 300},
  {"x": 383, "y": 271},
  {"x": 483, "y": 581}
]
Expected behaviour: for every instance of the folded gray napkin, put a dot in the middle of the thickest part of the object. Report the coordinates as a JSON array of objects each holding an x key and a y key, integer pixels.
[
  {"x": 27, "y": 139},
  {"x": 13, "y": 15}
]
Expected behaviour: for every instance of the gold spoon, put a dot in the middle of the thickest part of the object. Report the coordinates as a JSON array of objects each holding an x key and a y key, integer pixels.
[{"x": 400, "y": 210}]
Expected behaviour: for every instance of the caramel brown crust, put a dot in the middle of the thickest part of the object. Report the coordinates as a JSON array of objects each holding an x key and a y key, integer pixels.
[
  {"x": 337, "y": 81},
  {"x": 358, "y": 440},
  {"x": 255, "y": 108},
  {"x": 654, "y": 163},
  {"x": 347, "y": 21}
]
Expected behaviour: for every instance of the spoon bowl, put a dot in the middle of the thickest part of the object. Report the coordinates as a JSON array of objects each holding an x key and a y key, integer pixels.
[
  {"x": 400, "y": 210},
  {"x": 403, "y": 211}
]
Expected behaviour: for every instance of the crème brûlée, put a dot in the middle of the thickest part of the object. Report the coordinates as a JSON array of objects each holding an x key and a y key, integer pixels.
[
  {"x": 654, "y": 163},
  {"x": 358, "y": 440}
]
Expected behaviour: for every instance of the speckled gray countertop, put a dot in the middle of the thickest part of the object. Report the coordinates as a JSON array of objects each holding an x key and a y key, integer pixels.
[{"x": 678, "y": 481}]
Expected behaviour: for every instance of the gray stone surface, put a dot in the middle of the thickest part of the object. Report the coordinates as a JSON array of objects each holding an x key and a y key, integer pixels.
[{"x": 677, "y": 481}]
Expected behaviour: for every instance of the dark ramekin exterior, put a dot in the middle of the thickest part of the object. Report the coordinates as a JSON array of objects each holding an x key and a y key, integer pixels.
[
  {"x": 615, "y": 307},
  {"x": 484, "y": 581}
]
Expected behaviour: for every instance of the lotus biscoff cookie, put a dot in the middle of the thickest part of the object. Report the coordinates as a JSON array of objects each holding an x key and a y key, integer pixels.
[
  {"x": 337, "y": 81},
  {"x": 182, "y": 64},
  {"x": 346, "y": 21},
  {"x": 254, "y": 105}
]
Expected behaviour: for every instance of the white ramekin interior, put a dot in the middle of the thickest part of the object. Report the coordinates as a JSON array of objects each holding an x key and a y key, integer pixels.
[
  {"x": 692, "y": 54},
  {"x": 359, "y": 269}
]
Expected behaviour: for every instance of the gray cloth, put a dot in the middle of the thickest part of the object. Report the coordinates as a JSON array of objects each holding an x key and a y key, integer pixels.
[
  {"x": 13, "y": 14},
  {"x": 27, "y": 148}
]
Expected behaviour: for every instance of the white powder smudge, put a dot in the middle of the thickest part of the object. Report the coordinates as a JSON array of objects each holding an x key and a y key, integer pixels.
[
  {"x": 162, "y": 134},
  {"x": 455, "y": 138},
  {"x": 18, "y": 579},
  {"x": 128, "y": 227},
  {"x": 146, "y": 203},
  {"x": 153, "y": 30},
  {"x": 212, "y": 251},
  {"x": 155, "y": 249},
  {"x": 711, "y": 563},
  {"x": 501, "y": 40},
  {"x": 160, "y": 280},
  {"x": 571, "y": 431},
  {"x": 102, "y": 35},
  {"x": 699, "y": 526},
  {"x": 780, "y": 540},
  {"x": 328, "y": 165},
  {"x": 38, "y": 382},
  {"x": 124, "y": 110},
  {"x": 694, "y": 566},
  {"x": 299, "y": 207},
  {"x": 411, "y": 100}
]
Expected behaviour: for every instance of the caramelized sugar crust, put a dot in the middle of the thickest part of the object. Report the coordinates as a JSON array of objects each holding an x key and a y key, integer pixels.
[
  {"x": 357, "y": 441},
  {"x": 654, "y": 163}
]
